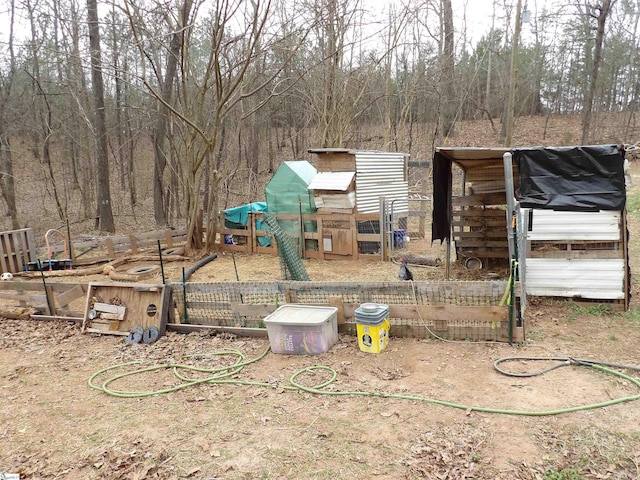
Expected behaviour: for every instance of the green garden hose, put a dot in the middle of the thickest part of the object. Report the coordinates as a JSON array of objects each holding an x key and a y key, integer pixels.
[{"x": 222, "y": 375}]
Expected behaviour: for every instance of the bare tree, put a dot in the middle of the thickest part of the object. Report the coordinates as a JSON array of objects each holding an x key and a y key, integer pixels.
[
  {"x": 448, "y": 115},
  {"x": 212, "y": 85},
  {"x": 603, "y": 10},
  {"x": 7, "y": 181},
  {"x": 159, "y": 140},
  {"x": 105, "y": 213}
]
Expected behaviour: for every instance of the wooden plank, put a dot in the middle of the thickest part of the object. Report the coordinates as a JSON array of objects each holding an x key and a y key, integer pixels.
[
  {"x": 4, "y": 252},
  {"x": 336, "y": 301},
  {"x": 480, "y": 212},
  {"x": 134, "y": 245},
  {"x": 576, "y": 254},
  {"x": 65, "y": 298},
  {"x": 108, "y": 308},
  {"x": 110, "y": 247},
  {"x": 480, "y": 199},
  {"x": 35, "y": 298},
  {"x": 112, "y": 316},
  {"x": 449, "y": 313},
  {"x": 168, "y": 238},
  {"x": 57, "y": 317},
  {"x": 253, "y": 309},
  {"x": 105, "y": 330}
]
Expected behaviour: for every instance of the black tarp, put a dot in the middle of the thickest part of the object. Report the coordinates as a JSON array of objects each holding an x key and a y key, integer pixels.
[
  {"x": 587, "y": 178},
  {"x": 440, "y": 224}
]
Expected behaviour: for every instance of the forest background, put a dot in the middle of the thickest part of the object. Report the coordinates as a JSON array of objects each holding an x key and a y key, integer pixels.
[{"x": 133, "y": 115}]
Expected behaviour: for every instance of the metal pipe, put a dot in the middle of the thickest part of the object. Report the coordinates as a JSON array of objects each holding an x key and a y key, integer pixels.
[{"x": 161, "y": 263}]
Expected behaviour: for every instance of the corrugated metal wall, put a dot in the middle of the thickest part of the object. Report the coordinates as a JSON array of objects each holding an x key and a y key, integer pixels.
[
  {"x": 552, "y": 225},
  {"x": 576, "y": 276},
  {"x": 381, "y": 174},
  {"x": 601, "y": 279}
]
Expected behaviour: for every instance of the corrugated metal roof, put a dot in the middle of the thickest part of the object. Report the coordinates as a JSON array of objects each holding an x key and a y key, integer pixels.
[
  {"x": 586, "y": 278},
  {"x": 555, "y": 225},
  {"x": 332, "y": 181}
]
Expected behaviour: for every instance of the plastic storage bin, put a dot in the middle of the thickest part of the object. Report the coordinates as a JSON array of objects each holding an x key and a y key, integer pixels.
[
  {"x": 302, "y": 329},
  {"x": 372, "y": 326}
]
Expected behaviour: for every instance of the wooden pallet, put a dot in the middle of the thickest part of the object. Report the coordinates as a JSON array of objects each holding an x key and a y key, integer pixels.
[{"x": 17, "y": 248}]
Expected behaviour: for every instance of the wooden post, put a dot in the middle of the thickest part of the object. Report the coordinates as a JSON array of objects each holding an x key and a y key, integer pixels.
[
  {"x": 337, "y": 302},
  {"x": 168, "y": 238},
  {"x": 134, "y": 245},
  {"x": 110, "y": 249}
]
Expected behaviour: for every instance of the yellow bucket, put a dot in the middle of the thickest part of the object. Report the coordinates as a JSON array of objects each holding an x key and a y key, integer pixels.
[{"x": 373, "y": 338}]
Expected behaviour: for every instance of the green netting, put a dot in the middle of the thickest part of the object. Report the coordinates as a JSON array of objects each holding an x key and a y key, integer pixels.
[{"x": 290, "y": 263}]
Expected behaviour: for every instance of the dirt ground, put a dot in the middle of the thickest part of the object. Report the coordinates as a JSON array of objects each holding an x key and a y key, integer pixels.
[{"x": 412, "y": 411}]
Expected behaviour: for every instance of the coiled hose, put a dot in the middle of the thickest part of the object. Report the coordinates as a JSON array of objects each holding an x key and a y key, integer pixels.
[{"x": 222, "y": 375}]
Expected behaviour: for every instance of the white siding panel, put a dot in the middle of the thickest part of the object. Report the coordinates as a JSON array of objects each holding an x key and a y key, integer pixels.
[
  {"x": 553, "y": 225},
  {"x": 381, "y": 174},
  {"x": 586, "y": 278},
  {"x": 332, "y": 181}
]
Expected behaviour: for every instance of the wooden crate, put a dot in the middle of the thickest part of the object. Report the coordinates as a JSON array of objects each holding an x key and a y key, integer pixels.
[
  {"x": 116, "y": 308},
  {"x": 17, "y": 248}
]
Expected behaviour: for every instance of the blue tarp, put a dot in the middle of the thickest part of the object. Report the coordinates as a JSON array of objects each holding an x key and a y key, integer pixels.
[{"x": 238, "y": 217}]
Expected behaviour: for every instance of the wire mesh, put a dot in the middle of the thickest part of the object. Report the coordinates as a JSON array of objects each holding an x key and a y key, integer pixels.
[
  {"x": 290, "y": 262},
  {"x": 456, "y": 310}
]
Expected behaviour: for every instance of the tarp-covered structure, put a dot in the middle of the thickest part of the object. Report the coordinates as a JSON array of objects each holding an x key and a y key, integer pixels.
[
  {"x": 583, "y": 178},
  {"x": 238, "y": 218},
  {"x": 288, "y": 193},
  {"x": 571, "y": 204},
  {"x": 578, "y": 179},
  {"x": 288, "y": 190}
]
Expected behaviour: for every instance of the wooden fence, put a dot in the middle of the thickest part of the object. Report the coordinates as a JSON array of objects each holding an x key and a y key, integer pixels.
[
  {"x": 446, "y": 310},
  {"x": 109, "y": 247},
  {"x": 326, "y": 236}
]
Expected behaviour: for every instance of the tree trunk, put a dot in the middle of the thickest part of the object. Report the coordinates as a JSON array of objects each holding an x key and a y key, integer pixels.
[
  {"x": 7, "y": 183},
  {"x": 160, "y": 155},
  {"x": 448, "y": 111},
  {"x": 605, "y": 8},
  {"x": 105, "y": 214},
  {"x": 7, "y": 180}
]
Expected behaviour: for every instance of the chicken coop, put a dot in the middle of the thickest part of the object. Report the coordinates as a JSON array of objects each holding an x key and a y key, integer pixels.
[
  {"x": 350, "y": 204},
  {"x": 571, "y": 236},
  {"x": 362, "y": 199}
]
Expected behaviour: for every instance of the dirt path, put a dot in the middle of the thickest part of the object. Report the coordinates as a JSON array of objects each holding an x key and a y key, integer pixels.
[{"x": 55, "y": 426}]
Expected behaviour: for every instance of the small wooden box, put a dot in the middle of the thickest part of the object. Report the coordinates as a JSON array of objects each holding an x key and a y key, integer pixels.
[{"x": 125, "y": 306}]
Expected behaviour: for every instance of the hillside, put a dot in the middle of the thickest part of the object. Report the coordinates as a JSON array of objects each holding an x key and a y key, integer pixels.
[{"x": 37, "y": 208}]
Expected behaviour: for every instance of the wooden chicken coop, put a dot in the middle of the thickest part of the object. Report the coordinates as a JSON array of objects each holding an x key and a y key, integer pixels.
[{"x": 331, "y": 207}]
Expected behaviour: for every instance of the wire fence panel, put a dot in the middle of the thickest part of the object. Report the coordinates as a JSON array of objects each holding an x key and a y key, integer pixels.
[{"x": 456, "y": 310}]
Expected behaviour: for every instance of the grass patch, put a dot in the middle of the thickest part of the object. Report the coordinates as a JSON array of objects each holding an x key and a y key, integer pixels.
[
  {"x": 633, "y": 202},
  {"x": 632, "y": 315},
  {"x": 595, "y": 310},
  {"x": 566, "y": 474}
]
